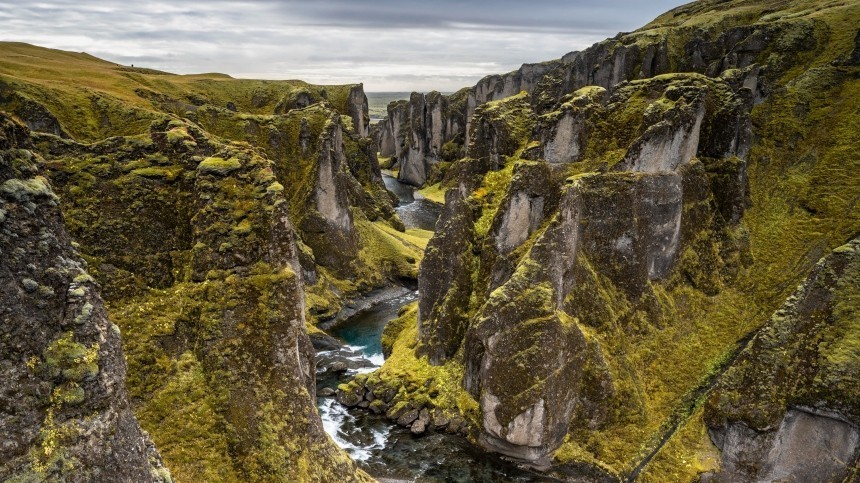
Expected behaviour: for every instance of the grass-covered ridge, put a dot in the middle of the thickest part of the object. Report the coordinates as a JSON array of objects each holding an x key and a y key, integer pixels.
[{"x": 92, "y": 99}]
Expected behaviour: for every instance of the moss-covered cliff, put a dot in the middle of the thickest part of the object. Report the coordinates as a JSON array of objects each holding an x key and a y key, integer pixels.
[
  {"x": 182, "y": 193},
  {"x": 65, "y": 413},
  {"x": 619, "y": 231}
]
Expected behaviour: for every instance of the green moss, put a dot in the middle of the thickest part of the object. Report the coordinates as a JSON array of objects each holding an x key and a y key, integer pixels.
[
  {"x": 190, "y": 433},
  {"x": 275, "y": 187},
  {"x": 841, "y": 347},
  {"x": 218, "y": 166},
  {"x": 434, "y": 193},
  {"x": 514, "y": 112},
  {"x": 48, "y": 455},
  {"x": 166, "y": 173},
  {"x": 84, "y": 277},
  {"x": 71, "y": 360},
  {"x": 23, "y": 190},
  {"x": 84, "y": 315},
  {"x": 688, "y": 454},
  {"x": 490, "y": 195},
  {"x": 69, "y": 393},
  {"x": 385, "y": 252}
]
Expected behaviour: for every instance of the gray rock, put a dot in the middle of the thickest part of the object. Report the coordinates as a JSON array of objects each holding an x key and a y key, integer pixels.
[
  {"x": 348, "y": 398},
  {"x": 439, "y": 419},
  {"x": 808, "y": 446},
  {"x": 408, "y": 417},
  {"x": 418, "y": 427},
  {"x": 324, "y": 342},
  {"x": 424, "y": 415},
  {"x": 358, "y": 110}
]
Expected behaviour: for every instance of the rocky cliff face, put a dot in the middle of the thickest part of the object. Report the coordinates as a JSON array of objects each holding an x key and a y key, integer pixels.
[
  {"x": 209, "y": 292},
  {"x": 419, "y": 133},
  {"x": 65, "y": 413},
  {"x": 629, "y": 225},
  {"x": 662, "y": 47},
  {"x": 615, "y": 229},
  {"x": 788, "y": 408}
]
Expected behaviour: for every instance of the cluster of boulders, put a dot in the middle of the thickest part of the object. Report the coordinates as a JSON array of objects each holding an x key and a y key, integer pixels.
[{"x": 416, "y": 413}]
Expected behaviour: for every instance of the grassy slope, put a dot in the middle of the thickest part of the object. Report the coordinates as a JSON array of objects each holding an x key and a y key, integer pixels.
[{"x": 81, "y": 91}]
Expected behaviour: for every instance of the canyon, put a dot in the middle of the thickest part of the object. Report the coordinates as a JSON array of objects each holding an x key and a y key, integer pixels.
[{"x": 645, "y": 267}]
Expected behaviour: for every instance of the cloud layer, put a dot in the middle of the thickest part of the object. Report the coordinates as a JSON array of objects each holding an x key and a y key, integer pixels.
[{"x": 390, "y": 45}]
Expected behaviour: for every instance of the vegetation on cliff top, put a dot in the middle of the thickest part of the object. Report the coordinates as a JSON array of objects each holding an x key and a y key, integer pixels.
[{"x": 93, "y": 99}]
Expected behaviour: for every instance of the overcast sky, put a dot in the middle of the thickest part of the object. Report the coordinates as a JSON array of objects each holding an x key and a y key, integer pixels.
[{"x": 390, "y": 45}]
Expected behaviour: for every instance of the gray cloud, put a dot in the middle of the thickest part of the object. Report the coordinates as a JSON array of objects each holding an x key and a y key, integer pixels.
[{"x": 396, "y": 45}]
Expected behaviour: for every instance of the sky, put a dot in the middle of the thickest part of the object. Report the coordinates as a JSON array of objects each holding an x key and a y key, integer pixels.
[{"x": 389, "y": 45}]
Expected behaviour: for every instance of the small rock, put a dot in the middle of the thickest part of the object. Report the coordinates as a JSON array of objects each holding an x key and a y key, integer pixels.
[
  {"x": 326, "y": 392},
  {"x": 324, "y": 342},
  {"x": 439, "y": 419},
  {"x": 29, "y": 284},
  {"x": 377, "y": 406},
  {"x": 424, "y": 416},
  {"x": 364, "y": 404},
  {"x": 418, "y": 427},
  {"x": 395, "y": 412},
  {"x": 338, "y": 366},
  {"x": 388, "y": 395},
  {"x": 455, "y": 424},
  {"x": 408, "y": 417}
]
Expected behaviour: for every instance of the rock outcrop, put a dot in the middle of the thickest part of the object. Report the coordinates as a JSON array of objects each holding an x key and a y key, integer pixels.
[
  {"x": 209, "y": 291},
  {"x": 629, "y": 226},
  {"x": 419, "y": 133},
  {"x": 65, "y": 414},
  {"x": 788, "y": 408},
  {"x": 358, "y": 110}
]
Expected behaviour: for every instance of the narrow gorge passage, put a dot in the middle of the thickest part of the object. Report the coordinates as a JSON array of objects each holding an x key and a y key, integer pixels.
[{"x": 382, "y": 448}]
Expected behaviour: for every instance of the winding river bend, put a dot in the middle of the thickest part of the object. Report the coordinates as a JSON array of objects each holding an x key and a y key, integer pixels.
[{"x": 382, "y": 448}]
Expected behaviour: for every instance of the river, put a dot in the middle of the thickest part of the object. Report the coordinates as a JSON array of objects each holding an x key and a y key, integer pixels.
[{"x": 382, "y": 448}]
